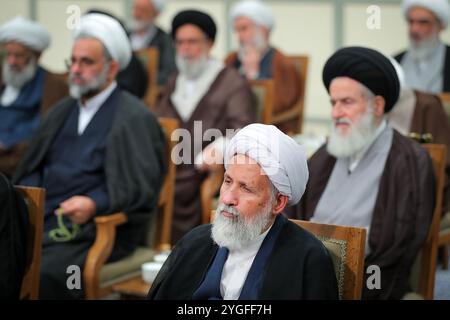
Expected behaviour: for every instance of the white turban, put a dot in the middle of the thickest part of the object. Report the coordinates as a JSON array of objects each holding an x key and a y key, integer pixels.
[
  {"x": 109, "y": 32},
  {"x": 29, "y": 33},
  {"x": 280, "y": 156},
  {"x": 158, "y": 4},
  {"x": 440, "y": 8},
  {"x": 254, "y": 10}
]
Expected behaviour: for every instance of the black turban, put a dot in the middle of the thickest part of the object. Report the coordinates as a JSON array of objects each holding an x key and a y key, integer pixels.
[
  {"x": 197, "y": 18},
  {"x": 367, "y": 66}
]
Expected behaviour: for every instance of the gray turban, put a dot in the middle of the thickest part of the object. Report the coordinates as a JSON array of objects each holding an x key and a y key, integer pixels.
[
  {"x": 29, "y": 33},
  {"x": 255, "y": 10},
  {"x": 281, "y": 158},
  {"x": 109, "y": 32}
]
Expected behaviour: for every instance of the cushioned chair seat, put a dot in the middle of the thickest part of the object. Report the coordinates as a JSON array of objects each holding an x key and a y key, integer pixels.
[
  {"x": 125, "y": 268},
  {"x": 338, "y": 251},
  {"x": 445, "y": 222}
]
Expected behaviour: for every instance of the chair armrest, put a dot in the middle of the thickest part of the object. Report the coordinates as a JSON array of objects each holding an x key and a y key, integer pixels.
[
  {"x": 100, "y": 251},
  {"x": 287, "y": 115}
]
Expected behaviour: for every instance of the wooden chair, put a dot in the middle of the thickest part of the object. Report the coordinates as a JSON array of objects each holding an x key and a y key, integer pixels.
[
  {"x": 423, "y": 272},
  {"x": 444, "y": 234},
  {"x": 263, "y": 91},
  {"x": 35, "y": 200},
  {"x": 346, "y": 246},
  {"x": 150, "y": 59},
  {"x": 301, "y": 63},
  {"x": 208, "y": 192},
  {"x": 99, "y": 276}
]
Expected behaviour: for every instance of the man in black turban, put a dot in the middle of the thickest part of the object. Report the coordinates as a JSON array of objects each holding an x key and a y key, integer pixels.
[
  {"x": 368, "y": 175},
  {"x": 207, "y": 98}
]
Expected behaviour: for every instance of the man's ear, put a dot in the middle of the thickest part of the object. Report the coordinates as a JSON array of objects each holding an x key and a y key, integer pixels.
[
  {"x": 280, "y": 204},
  {"x": 114, "y": 69},
  {"x": 379, "y": 104}
]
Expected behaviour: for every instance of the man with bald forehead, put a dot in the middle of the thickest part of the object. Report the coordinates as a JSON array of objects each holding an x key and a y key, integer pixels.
[
  {"x": 367, "y": 174},
  {"x": 251, "y": 251}
]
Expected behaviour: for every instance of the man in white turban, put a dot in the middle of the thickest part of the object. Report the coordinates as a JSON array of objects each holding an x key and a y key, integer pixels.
[
  {"x": 145, "y": 33},
  {"x": 97, "y": 152},
  {"x": 241, "y": 255},
  {"x": 204, "y": 96},
  {"x": 255, "y": 58},
  {"x": 427, "y": 60},
  {"x": 27, "y": 90}
]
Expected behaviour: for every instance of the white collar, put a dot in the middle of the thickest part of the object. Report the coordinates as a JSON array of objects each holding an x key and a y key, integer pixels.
[{"x": 91, "y": 106}]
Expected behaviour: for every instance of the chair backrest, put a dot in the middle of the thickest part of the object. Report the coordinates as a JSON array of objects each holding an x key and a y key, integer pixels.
[
  {"x": 263, "y": 91},
  {"x": 159, "y": 235},
  {"x": 301, "y": 63},
  {"x": 35, "y": 200},
  {"x": 346, "y": 246},
  {"x": 445, "y": 99},
  {"x": 150, "y": 59},
  {"x": 423, "y": 272},
  {"x": 208, "y": 191}
]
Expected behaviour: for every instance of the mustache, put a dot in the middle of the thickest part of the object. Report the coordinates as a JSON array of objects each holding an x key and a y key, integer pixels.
[
  {"x": 342, "y": 121},
  {"x": 223, "y": 207}
]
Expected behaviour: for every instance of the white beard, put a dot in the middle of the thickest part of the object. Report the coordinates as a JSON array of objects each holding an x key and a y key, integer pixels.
[
  {"x": 91, "y": 88},
  {"x": 420, "y": 51},
  {"x": 235, "y": 233},
  {"x": 137, "y": 25},
  {"x": 191, "y": 68},
  {"x": 18, "y": 79},
  {"x": 258, "y": 42},
  {"x": 359, "y": 135}
]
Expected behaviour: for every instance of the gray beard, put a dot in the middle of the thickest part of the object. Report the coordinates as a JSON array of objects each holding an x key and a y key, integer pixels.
[
  {"x": 257, "y": 42},
  {"x": 138, "y": 25},
  {"x": 90, "y": 89},
  {"x": 191, "y": 69},
  {"x": 360, "y": 135},
  {"x": 18, "y": 79},
  {"x": 424, "y": 49},
  {"x": 236, "y": 233}
]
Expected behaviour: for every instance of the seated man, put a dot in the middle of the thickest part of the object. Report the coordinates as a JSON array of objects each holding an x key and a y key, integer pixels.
[
  {"x": 368, "y": 175},
  {"x": 421, "y": 114},
  {"x": 204, "y": 96},
  {"x": 99, "y": 152},
  {"x": 251, "y": 251},
  {"x": 145, "y": 33},
  {"x": 257, "y": 59},
  {"x": 27, "y": 90},
  {"x": 427, "y": 60}
]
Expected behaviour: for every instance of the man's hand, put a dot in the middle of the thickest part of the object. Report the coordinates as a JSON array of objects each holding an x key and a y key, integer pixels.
[
  {"x": 79, "y": 209},
  {"x": 250, "y": 61}
]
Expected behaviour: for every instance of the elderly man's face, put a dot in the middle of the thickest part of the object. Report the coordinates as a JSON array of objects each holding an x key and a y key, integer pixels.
[
  {"x": 348, "y": 103},
  {"x": 248, "y": 205},
  {"x": 245, "y": 187},
  {"x": 89, "y": 70},
  {"x": 144, "y": 10},
  {"x": 191, "y": 43},
  {"x": 423, "y": 25},
  {"x": 18, "y": 56},
  {"x": 249, "y": 33}
]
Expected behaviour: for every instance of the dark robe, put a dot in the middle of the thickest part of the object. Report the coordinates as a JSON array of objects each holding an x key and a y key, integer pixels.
[
  {"x": 298, "y": 267},
  {"x": 401, "y": 216},
  {"x": 53, "y": 88},
  {"x": 446, "y": 70},
  {"x": 13, "y": 240},
  {"x": 228, "y": 104},
  {"x": 275, "y": 65},
  {"x": 134, "y": 78},
  {"x": 134, "y": 170},
  {"x": 166, "y": 49}
]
